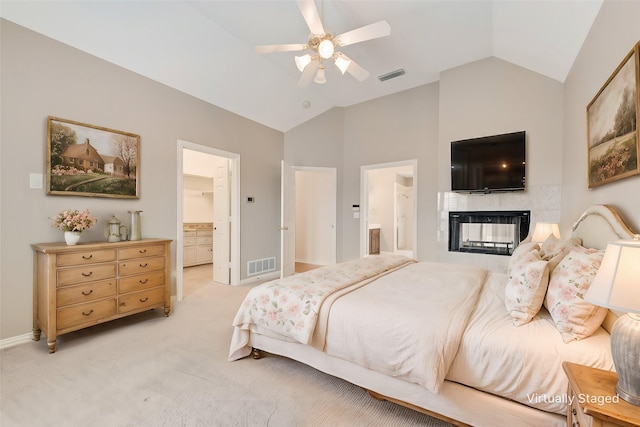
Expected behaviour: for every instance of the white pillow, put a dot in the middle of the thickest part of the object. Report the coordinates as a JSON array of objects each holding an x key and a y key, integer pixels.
[
  {"x": 527, "y": 285},
  {"x": 574, "y": 317}
]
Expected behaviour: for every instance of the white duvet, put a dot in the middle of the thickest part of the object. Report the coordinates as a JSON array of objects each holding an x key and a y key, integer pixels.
[
  {"x": 521, "y": 363},
  {"x": 407, "y": 324}
]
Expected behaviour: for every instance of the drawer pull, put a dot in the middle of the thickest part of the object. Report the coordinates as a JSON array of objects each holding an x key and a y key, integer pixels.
[
  {"x": 144, "y": 299},
  {"x": 87, "y": 257},
  {"x": 144, "y": 265},
  {"x": 89, "y": 313},
  {"x": 142, "y": 282},
  {"x": 87, "y": 293},
  {"x": 143, "y": 251},
  {"x": 87, "y": 274},
  {"x": 574, "y": 412}
]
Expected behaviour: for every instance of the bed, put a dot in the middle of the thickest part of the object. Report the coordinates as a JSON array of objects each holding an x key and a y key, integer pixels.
[{"x": 452, "y": 341}]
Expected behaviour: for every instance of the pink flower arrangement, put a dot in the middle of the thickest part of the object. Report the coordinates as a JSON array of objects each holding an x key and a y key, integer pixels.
[{"x": 74, "y": 220}]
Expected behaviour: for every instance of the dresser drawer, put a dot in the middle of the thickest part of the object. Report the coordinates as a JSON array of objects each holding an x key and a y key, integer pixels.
[
  {"x": 83, "y": 258},
  {"x": 91, "y": 312},
  {"x": 189, "y": 233},
  {"x": 140, "y": 282},
  {"x": 140, "y": 300},
  {"x": 141, "y": 265},
  {"x": 189, "y": 241},
  {"x": 84, "y": 293},
  {"x": 140, "y": 251},
  {"x": 89, "y": 273}
]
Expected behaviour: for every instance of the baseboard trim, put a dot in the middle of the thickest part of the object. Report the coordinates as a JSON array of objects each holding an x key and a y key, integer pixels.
[
  {"x": 13, "y": 341},
  {"x": 260, "y": 278}
]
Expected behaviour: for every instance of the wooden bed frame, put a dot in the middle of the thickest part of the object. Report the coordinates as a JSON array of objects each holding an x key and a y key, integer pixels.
[{"x": 456, "y": 403}]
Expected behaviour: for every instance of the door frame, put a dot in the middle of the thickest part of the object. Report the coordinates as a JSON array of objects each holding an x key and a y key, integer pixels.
[
  {"x": 334, "y": 185},
  {"x": 364, "y": 202},
  {"x": 234, "y": 167}
]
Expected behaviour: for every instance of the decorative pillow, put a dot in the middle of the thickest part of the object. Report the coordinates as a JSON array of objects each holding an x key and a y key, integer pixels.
[
  {"x": 554, "y": 250},
  {"x": 574, "y": 317},
  {"x": 524, "y": 292},
  {"x": 521, "y": 251}
]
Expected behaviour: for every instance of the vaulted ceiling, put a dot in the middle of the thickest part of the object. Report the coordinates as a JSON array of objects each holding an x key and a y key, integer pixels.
[{"x": 205, "y": 48}]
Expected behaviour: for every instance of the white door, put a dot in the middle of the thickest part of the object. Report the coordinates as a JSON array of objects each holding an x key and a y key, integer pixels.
[
  {"x": 287, "y": 220},
  {"x": 221, "y": 221}
]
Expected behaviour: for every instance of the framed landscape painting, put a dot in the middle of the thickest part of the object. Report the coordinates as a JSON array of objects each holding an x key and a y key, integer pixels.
[
  {"x": 612, "y": 125},
  {"x": 87, "y": 160}
]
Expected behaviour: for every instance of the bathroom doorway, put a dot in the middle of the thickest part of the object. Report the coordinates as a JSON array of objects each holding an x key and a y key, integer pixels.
[{"x": 388, "y": 208}]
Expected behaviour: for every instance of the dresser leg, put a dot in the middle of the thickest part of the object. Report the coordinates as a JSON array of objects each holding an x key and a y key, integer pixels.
[
  {"x": 36, "y": 334},
  {"x": 52, "y": 346},
  {"x": 167, "y": 310}
]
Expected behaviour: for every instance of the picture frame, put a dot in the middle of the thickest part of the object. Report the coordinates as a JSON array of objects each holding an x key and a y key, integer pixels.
[
  {"x": 612, "y": 125},
  {"x": 91, "y": 161}
]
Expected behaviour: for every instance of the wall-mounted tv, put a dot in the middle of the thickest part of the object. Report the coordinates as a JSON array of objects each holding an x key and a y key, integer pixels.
[{"x": 489, "y": 164}]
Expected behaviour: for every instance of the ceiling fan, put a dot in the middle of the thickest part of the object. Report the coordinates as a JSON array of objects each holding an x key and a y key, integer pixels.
[{"x": 323, "y": 46}]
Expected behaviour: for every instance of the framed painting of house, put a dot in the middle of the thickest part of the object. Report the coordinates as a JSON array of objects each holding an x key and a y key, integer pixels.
[
  {"x": 87, "y": 160},
  {"x": 612, "y": 125}
]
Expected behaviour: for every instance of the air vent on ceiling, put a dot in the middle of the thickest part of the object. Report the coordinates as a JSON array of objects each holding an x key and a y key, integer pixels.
[{"x": 397, "y": 73}]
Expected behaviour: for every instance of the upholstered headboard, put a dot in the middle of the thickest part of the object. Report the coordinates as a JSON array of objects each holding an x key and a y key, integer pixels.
[{"x": 597, "y": 226}]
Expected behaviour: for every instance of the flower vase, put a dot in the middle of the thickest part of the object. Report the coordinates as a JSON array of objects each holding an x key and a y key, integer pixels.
[{"x": 71, "y": 237}]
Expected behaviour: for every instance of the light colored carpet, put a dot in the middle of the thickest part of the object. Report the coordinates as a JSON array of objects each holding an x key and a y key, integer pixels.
[{"x": 148, "y": 370}]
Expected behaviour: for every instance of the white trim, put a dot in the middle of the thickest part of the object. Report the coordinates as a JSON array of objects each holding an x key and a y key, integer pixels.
[
  {"x": 261, "y": 278},
  {"x": 235, "y": 209},
  {"x": 13, "y": 341},
  {"x": 364, "y": 202}
]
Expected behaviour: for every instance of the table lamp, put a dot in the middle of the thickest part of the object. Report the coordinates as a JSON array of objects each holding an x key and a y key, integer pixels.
[
  {"x": 544, "y": 230},
  {"x": 617, "y": 286}
]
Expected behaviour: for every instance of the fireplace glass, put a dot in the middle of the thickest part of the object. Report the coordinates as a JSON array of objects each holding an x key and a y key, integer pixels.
[{"x": 487, "y": 232}]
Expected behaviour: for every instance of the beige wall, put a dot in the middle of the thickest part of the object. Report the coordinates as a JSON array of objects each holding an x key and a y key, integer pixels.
[
  {"x": 612, "y": 36},
  {"x": 41, "y": 77}
]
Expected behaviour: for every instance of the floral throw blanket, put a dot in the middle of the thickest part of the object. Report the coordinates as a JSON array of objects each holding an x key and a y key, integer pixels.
[{"x": 289, "y": 307}]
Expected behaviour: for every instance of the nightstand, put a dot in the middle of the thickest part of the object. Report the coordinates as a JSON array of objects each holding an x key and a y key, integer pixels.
[{"x": 592, "y": 399}]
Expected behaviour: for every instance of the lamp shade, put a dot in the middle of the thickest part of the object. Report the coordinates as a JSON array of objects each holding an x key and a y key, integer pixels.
[
  {"x": 544, "y": 230},
  {"x": 342, "y": 63},
  {"x": 302, "y": 61},
  {"x": 617, "y": 284},
  {"x": 320, "y": 76}
]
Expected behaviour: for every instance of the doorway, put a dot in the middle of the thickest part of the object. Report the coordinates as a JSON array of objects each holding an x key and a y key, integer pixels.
[
  {"x": 388, "y": 208},
  {"x": 308, "y": 223},
  {"x": 216, "y": 197}
]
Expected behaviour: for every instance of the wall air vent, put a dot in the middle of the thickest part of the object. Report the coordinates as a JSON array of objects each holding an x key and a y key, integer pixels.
[
  {"x": 258, "y": 266},
  {"x": 397, "y": 73}
]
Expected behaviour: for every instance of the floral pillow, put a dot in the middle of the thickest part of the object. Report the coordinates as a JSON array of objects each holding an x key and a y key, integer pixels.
[
  {"x": 554, "y": 250},
  {"x": 522, "y": 250},
  {"x": 574, "y": 317},
  {"x": 525, "y": 290}
]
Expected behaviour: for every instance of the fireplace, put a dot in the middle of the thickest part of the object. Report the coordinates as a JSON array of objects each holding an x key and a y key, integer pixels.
[{"x": 487, "y": 232}]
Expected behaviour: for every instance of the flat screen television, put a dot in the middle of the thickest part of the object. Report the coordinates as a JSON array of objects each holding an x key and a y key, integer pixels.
[{"x": 489, "y": 164}]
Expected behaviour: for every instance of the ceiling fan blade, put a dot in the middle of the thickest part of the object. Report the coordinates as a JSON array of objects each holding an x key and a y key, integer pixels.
[
  {"x": 356, "y": 70},
  {"x": 308, "y": 73},
  {"x": 274, "y": 48},
  {"x": 368, "y": 32},
  {"x": 311, "y": 16}
]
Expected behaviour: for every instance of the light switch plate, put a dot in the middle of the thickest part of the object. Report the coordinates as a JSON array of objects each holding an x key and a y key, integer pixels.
[{"x": 35, "y": 180}]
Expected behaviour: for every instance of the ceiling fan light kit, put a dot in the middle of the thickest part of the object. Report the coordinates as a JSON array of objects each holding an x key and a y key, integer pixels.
[{"x": 324, "y": 47}]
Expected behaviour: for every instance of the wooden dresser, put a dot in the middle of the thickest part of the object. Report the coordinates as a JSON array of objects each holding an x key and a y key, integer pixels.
[{"x": 80, "y": 286}]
